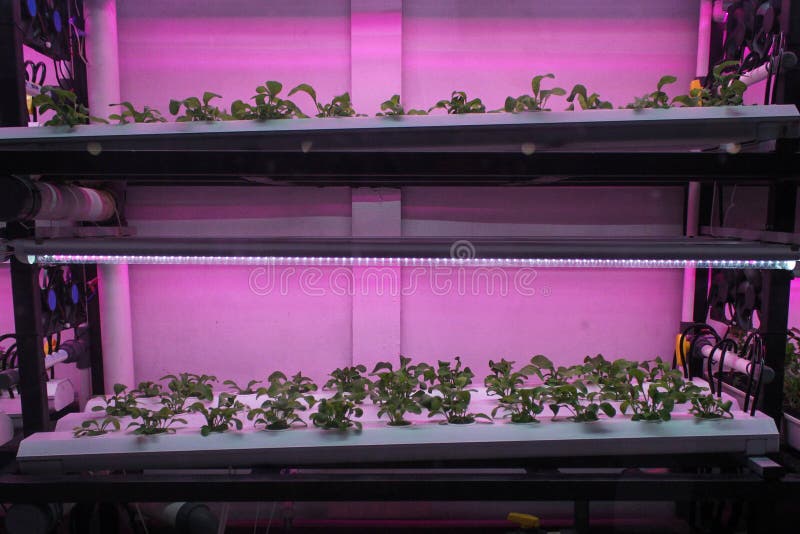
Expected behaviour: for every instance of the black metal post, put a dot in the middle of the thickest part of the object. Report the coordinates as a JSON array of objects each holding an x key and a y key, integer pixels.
[
  {"x": 95, "y": 336},
  {"x": 28, "y": 327},
  {"x": 13, "y": 107}
]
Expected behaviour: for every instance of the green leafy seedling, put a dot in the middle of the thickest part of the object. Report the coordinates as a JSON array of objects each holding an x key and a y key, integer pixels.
[
  {"x": 249, "y": 389},
  {"x": 147, "y": 390},
  {"x": 536, "y": 101},
  {"x": 791, "y": 380},
  {"x": 196, "y": 110},
  {"x": 151, "y": 422},
  {"x": 581, "y": 96},
  {"x": 658, "y": 99},
  {"x": 285, "y": 398},
  {"x": 710, "y": 407},
  {"x": 340, "y": 411},
  {"x": 451, "y": 382},
  {"x": 120, "y": 404},
  {"x": 93, "y": 427},
  {"x": 340, "y": 106},
  {"x": 725, "y": 88},
  {"x": 460, "y": 104},
  {"x": 220, "y": 418},
  {"x": 337, "y": 413},
  {"x": 393, "y": 108},
  {"x": 130, "y": 114},
  {"x": 267, "y": 105},
  {"x": 397, "y": 391},
  {"x": 65, "y": 106}
]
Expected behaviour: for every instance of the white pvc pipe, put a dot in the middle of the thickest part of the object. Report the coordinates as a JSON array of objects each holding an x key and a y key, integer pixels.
[
  {"x": 102, "y": 54},
  {"x": 704, "y": 37},
  {"x": 690, "y": 273},
  {"x": 732, "y": 362},
  {"x": 102, "y": 71},
  {"x": 115, "y": 321},
  {"x": 56, "y": 357}
]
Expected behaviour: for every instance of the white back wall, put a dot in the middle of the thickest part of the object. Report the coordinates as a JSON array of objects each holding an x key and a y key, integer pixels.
[{"x": 239, "y": 322}]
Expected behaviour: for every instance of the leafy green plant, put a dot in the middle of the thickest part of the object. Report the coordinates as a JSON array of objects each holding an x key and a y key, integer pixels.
[
  {"x": 658, "y": 99},
  {"x": 561, "y": 390},
  {"x": 186, "y": 386},
  {"x": 610, "y": 377},
  {"x": 522, "y": 405},
  {"x": 249, "y": 389},
  {"x": 584, "y": 405},
  {"x": 65, "y": 106},
  {"x": 725, "y": 88},
  {"x": 459, "y": 104},
  {"x": 196, "y": 110},
  {"x": 340, "y": 106},
  {"x": 504, "y": 380},
  {"x": 268, "y": 105},
  {"x": 550, "y": 375},
  {"x": 791, "y": 379},
  {"x": 120, "y": 404},
  {"x": 130, "y": 114},
  {"x": 350, "y": 381},
  {"x": 397, "y": 391},
  {"x": 337, "y": 413},
  {"x": 584, "y": 100},
  {"x": 95, "y": 427},
  {"x": 191, "y": 385},
  {"x": 151, "y": 422},
  {"x": 286, "y": 397},
  {"x": 538, "y": 100},
  {"x": 710, "y": 407},
  {"x": 393, "y": 108},
  {"x": 452, "y": 383},
  {"x": 656, "y": 388},
  {"x": 220, "y": 418},
  {"x": 147, "y": 390}
]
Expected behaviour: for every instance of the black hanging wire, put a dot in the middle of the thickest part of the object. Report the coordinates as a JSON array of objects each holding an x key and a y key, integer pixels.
[
  {"x": 753, "y": 350},
  {"x": 697, "y": 331},
  {"x": 726, "y": 345}
]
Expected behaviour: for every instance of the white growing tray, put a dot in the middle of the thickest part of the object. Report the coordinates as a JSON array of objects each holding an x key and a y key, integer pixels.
[{"x": 59, "y": 452}]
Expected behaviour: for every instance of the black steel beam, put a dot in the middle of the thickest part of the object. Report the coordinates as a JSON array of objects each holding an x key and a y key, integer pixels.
[
  {"x": 355, "y": 168},
  {"x": 28, "y": 327},
  {"x": 13, "y": 107},
  {"x": 391, "y": 487}
]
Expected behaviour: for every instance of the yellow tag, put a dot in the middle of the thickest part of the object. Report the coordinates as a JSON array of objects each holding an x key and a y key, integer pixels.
[
  {"x": 524, "y": 520},
  {"x": 686, "y": 345}
]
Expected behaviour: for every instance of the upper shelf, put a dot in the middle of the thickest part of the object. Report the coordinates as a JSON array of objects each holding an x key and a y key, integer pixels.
[{"x": 526, "y": 145}]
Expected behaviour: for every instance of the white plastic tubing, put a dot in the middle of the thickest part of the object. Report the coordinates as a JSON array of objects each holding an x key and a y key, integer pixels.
[{"x": 102, "y": 72}]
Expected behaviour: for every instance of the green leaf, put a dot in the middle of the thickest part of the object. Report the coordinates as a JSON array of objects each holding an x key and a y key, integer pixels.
[
  {"x": 665, "y": 80},
  {"x": 174, "y": 108},
  {"x": 208, "y": 96},
  {"x": 608, "y": 409},
  {"x": 305, "y": 88},
  {"x": 274, "y": 87}
]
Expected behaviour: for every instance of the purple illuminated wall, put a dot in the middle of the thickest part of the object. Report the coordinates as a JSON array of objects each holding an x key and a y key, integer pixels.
[{"x": 226, "y": 321}]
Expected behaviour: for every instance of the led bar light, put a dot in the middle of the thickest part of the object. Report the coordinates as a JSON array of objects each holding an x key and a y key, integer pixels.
[
  {"x": 415, "y": 262},
  {"x": 411, "y": 252}
]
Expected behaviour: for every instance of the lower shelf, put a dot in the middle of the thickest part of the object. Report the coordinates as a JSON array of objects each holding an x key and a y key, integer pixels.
[{"x": 59, "y": 452}]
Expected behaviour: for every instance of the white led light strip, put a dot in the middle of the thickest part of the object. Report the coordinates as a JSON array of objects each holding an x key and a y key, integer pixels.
[{"x": 413, "y": 262}]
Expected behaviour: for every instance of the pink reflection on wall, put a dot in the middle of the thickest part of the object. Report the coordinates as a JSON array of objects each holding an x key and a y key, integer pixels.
[
  {"x": 492, "y": 49},
  {"x": 219, "y": 320},
  {"x": 164, "y": 55}
]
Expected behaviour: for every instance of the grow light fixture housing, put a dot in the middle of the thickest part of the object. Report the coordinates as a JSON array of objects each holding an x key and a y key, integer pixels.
[
  {"x": 416, "y": 252},
  {"x": 415, "y": 262}
]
